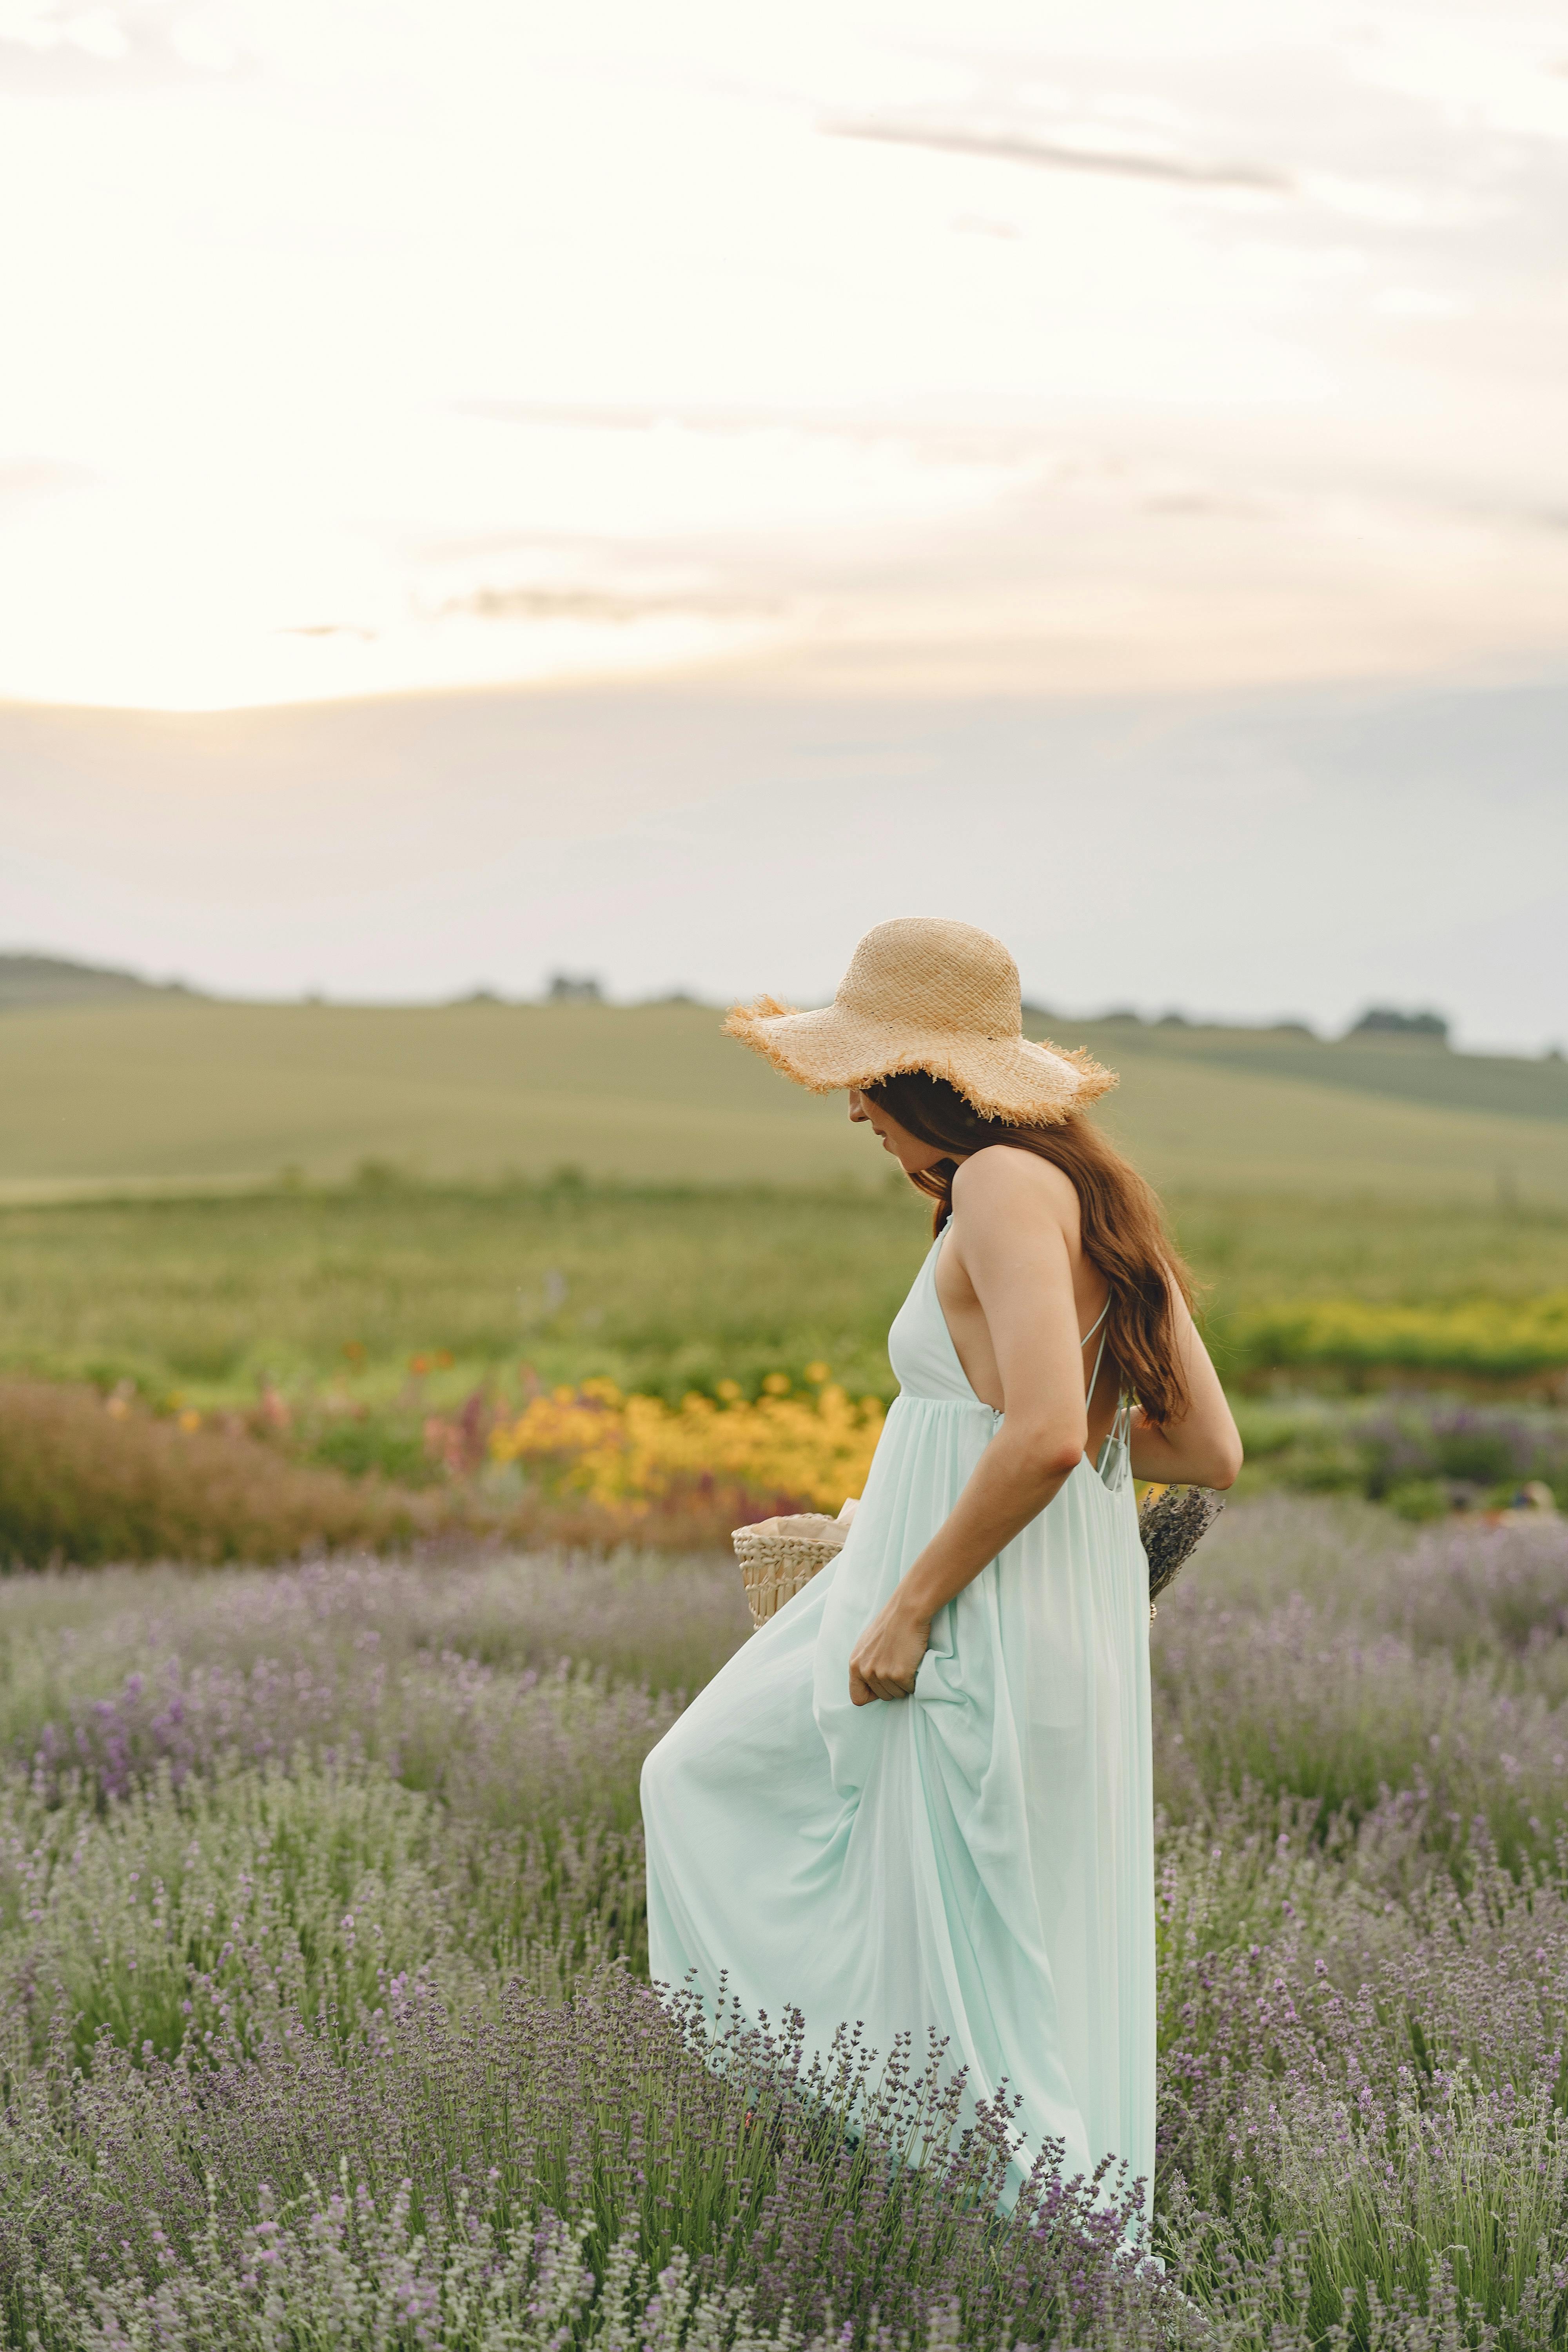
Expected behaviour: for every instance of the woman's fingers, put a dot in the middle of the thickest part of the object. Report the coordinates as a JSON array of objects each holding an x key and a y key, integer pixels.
[
  {"x": 886, "y": 1660},
  {"x": 866, "y": 1683}
]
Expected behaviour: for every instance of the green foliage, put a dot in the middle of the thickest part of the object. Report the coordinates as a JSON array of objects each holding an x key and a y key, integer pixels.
[
  {"x": 343, "y": 1291},
  {"x": 79, "y": 1484},
  {"x": 1486, "y": 1337},
  {"x": 377, "y": 1447},
  {"x": 317, "y": 1332},
  {"x": 1421, "y": 1453},
  {"x": 339, "y": 1292}
]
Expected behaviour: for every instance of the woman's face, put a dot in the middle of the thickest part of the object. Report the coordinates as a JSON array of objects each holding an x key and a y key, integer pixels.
[{"x": 911, "y": 1155}]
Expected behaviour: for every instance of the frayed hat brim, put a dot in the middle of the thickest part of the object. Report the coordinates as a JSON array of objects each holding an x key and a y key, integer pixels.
[{"x": 1007, "y": 1078}]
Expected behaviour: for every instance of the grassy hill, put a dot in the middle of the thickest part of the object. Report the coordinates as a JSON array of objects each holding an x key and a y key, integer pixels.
[
  {"x": 1407, "y": 1069},
  {"x": 40, "y": 980},
  {"x": 159, "y": 1089}
]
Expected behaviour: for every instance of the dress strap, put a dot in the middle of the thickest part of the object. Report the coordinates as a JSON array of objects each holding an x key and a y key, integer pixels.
[
  {"x": 1112, "y": 1464},
  {"x": 1099, "y": 1351}
]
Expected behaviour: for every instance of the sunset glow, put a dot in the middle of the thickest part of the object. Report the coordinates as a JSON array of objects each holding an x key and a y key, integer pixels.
[{"x": 401, "y": 345}]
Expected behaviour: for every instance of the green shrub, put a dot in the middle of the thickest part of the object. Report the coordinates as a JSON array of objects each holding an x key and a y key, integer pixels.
[
  {"x": 1489, "y": 1337},
  {"x": 377, "y": 1448},
  {"x": 1419, "y": 1498},
  {"x": 79, "y": 1484}
]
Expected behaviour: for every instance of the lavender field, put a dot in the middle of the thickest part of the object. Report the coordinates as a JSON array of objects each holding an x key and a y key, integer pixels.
[{"x": 324, "y": 2016}]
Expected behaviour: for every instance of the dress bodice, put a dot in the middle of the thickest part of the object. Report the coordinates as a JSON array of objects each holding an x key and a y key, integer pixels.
[
  {"x": 919, "y": 1345},
  {"x": 925, "y": 1362}
]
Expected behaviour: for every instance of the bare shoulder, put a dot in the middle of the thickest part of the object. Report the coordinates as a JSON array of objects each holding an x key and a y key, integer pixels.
[{"x": 1004, "y": 1185}]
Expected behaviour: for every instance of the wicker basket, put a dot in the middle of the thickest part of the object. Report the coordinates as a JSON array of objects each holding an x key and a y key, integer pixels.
[{"x": 779, "y": 1556}]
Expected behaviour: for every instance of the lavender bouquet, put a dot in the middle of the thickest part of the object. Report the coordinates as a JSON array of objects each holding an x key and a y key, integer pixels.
[{"x": 1172, "y": 1522}]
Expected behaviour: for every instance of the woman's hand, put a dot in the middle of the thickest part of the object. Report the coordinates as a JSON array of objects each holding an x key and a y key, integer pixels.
[{"x": 886, "y": 1659}]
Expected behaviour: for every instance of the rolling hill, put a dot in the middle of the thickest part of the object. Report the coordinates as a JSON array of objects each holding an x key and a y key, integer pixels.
[
  {"x": 46, "y": 979},
  {"x": 151, "y": 1088}
]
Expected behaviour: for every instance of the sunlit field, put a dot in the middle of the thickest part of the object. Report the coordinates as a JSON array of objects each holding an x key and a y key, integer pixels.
[
  {"x": 234, "y": 1375},
  {"x": 177, "y": 1089},
  {"x": 667, "y": 1288},
  {"x": 323, "y": 1953}
]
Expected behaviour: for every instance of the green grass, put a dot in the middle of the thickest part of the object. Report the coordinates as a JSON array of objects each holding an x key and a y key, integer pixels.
[
  {"x": 722, "y": 1224},
  {"x": 662, "y": 1289},
  {"x": 181, "y": 1089}
]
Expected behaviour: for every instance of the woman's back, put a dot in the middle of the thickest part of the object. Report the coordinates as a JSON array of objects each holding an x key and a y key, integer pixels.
[{"x": 1035, "y": 1193}]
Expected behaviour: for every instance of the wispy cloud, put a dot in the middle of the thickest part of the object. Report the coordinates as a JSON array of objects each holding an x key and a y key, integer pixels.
[
  {"x": 1060, "y": 155},
  {"x": 617, "y": 607},
  {"x": 331, "y": 629},
  {"x": 43, "y": 477},
  {"x": 57, "y": 48},
  {"x": 686, "y": 415}
]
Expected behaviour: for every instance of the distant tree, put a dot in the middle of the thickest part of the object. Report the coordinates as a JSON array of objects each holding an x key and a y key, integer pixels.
[
  {"x": 1382, "y": 1021},
  {"x": 573, "y": 988}
]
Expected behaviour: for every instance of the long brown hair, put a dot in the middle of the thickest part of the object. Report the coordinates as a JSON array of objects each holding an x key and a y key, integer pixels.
[{"x": 1123, "y": 1225}]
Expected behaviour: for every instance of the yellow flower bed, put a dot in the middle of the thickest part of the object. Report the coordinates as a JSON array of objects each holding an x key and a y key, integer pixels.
[
  {"x": 1503, "y": 1337},
  {"x": 625, "y": 1452}
]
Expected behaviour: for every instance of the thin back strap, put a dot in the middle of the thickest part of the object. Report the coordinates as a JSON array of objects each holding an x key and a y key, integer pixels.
[
  {"x": 1099, "y": 1351},
  {"x": 1114, "y": 1460}
]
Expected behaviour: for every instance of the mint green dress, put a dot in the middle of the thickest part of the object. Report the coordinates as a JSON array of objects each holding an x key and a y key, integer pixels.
[{"x": 976, "y": 1860}]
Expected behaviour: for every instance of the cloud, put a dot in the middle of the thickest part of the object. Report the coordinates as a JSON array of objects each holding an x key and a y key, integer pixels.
[
  {"x": 686, "y": 417},
  {"x": 1062, "y": 154},
  {"x": 617, "y": 607},
  {"x": 43, "y": 477},
  {"x": 331, "y": 629},
  {"x": 1197, "y": 502},
  {"x": 60, "y": 48}
]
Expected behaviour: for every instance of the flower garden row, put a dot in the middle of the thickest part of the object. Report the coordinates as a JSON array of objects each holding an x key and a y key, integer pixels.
[{"x": 324, "y": 2017}]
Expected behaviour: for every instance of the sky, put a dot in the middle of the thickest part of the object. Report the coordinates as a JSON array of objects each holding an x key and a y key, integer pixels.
[{"x": 485, "y": 487}]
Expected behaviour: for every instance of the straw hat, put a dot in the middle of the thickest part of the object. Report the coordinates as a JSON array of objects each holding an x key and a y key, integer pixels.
[{"x": 923, "y": 994}]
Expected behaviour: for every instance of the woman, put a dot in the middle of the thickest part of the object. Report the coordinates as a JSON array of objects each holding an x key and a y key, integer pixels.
[{"x": 919, "y": 1798}]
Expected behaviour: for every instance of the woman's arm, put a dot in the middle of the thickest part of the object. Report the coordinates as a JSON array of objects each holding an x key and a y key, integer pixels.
[
  {"x": 1014, "y": 1250},
  {"x": 1203, "y": 1446}
]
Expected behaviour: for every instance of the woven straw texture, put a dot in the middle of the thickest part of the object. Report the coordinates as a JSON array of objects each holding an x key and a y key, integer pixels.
[
  {"x": 925, "y": 994},
  {"x": 779, "y": 1556}
]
